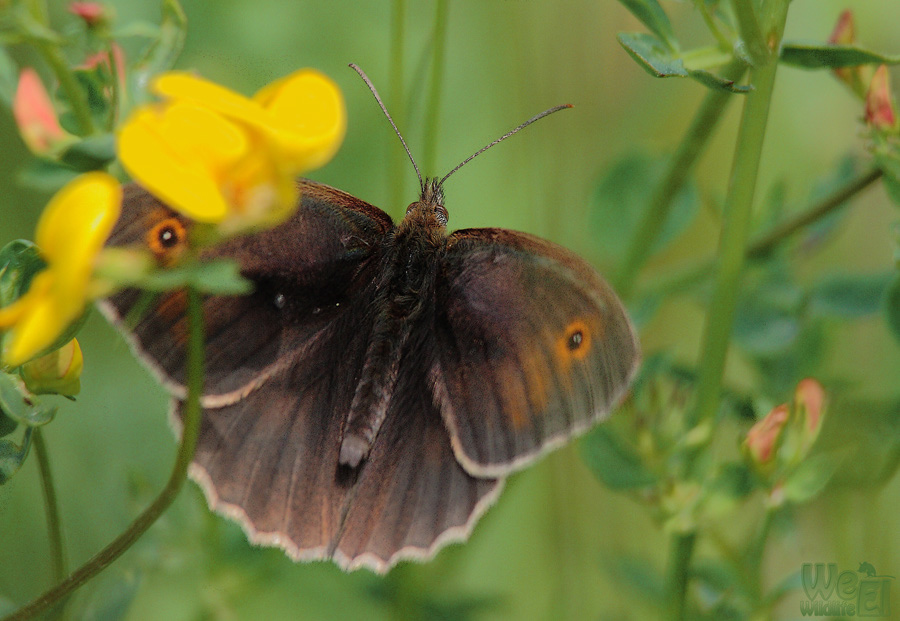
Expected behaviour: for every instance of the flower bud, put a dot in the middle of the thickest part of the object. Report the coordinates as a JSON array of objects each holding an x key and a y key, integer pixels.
[
  {"x": 881, "y": 109},
  {"x": 844, "y": 33},
  {"x": 92, "y": 13},
  {"x": 58, "y": 372},
  {"x": 35, "y": 115},
  {"x": 763, "y": 437},
  {"x": 781, "y": 440}
]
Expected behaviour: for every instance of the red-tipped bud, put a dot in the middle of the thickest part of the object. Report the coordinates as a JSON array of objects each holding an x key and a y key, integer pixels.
[
  {"x": 763, "y": 436},
  {"x": 93, "y": 13},
  {"x": 35, "y": 115},
  {"x": 881, "y": 109}
]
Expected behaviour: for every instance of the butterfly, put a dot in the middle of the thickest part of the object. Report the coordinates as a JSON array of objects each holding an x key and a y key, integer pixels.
[{"x": 367, "y": 400}]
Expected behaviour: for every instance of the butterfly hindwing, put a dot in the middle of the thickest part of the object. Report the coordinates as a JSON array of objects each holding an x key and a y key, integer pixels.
[{"x": 533, "y": 346}]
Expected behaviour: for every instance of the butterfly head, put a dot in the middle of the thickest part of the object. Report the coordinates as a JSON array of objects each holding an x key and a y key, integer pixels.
[{"x": 429, "y": 209}]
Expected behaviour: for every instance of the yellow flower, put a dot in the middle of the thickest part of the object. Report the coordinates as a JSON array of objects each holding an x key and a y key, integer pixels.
[
  {"x": 70, "y": 235},
  {"x": 219, "y": 157}
]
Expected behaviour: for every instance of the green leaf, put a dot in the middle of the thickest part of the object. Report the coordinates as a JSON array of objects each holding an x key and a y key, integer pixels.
[
  {"x": 217, "y": 277},
  {"x": 888, "y": 160},
  {"x": 657, "y": 60},
  {"x": 640, "y": 576},
  {"x": 613, "y": 461},
  {"x": 91, "y": 153},
  {"x": 892, "y": 306},
  {"x": 850, "y": 296},
  {"x": 20, "y": 405},
  {"x": 13, "y": 455},
  {"x": 870, "y": 430},
  {"x": 162, "y": 53},
  {"x": 140, "y": 29},
  {"x": 809, "y": 55},
  {"x": 7, "y": 425},
  {"x": 767, "y": 319},
  {"x": 652, "y": 15},
  {"x": 20, "y": 260},
  {"x": 811, "y": 476},
  {"x": 9, "y": 78},
  {"x": 111, "y": 597},
  {"x": 45, "y": 175},
  {"x": 621, "y": 199}
]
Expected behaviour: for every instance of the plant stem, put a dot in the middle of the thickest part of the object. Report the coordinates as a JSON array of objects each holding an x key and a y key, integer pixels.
[
  {"x": 396, "y": 157},
  {"x": 690, "y": 148},
  {"x": 748, "y": 26},
  {"x": 767, "y": 241},
  {"x": 54, "y": 526},
  {"x": 736, "y": 222},
  {"x": 434, "y": 90},
  {"x": 189, "y": 433},
  {"x": 752, "y": 566},
  {"x": 681, "y": 551},
  {"x": 56, "y": 61}
]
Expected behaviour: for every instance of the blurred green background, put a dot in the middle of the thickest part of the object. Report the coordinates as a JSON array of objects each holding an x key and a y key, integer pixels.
[{"x": 556, "y": 543}]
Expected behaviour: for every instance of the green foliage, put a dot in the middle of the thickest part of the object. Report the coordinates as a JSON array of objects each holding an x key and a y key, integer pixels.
[
  {"x": 805, "y": 307},
  {"x": 659, "y": 61},
  {"x": 821, "y": 56},
  {"x": 621, "y": 199},
  {"x": 8, "y": 78}
]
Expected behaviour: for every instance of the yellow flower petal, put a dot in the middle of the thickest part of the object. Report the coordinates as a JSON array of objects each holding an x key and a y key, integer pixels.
[
  {"x": 70, "y": 234},
  {"x": 309, "y": 116},
  {"x": 178, "y": 85},
  {"x": 151, "y": 158}
]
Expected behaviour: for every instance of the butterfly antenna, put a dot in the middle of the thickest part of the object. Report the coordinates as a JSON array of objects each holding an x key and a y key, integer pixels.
[
  {"x": 537, "y": 117},
  {"x": 372, "y": 88}
]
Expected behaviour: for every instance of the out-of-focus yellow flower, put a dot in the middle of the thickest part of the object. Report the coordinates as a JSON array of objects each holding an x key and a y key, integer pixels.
[
  {"x": 56, "y": 373},
  {"x": 70, "y": 235},
  {"x": 219, "y": 157}
]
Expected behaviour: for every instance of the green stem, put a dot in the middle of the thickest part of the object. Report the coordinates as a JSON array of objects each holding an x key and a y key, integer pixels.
[
  {"x": 736, "y": 223},
  {"x": 190, "y": 431},
  {"x": 74, "y": 93},
  {"x": 690, "y": 148},
  {"x": 752, "y": 566},
  {"x": 434, "y": 89},
  {"x": 54, "y": 526},
  {"x": 397, "y": 157},
  {"x": 751, "y": 34},
  {"x": 767, "y": 241},
  {"x": 681, "y": 551}
]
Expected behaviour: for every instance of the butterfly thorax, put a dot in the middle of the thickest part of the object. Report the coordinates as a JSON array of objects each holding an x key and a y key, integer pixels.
[{"x": 405, "y": 285}]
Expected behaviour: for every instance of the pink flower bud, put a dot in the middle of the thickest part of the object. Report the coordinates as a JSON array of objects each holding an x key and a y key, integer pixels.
[
  {"x": 844, "y": 31},
  {"x": 93, "y": 13},
  {"x": 810, "y": 398},
  {"x": 881, "y": 110},
  {"x": 762, "y": 437},
  {"x": 35, "y": 115}
]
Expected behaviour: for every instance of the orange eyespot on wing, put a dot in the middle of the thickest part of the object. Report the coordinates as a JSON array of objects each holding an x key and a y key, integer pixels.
[
  {"x": 167, "y": 239},
  {"x": 575, "y": 343},
  {"x": 533, "y": 348}
]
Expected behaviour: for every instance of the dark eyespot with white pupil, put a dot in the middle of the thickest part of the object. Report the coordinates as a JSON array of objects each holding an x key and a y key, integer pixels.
[
  {"x": 168, "y": 237},
  {"x": 575, "y": 340},
  {"x": 280, "y": 301}
]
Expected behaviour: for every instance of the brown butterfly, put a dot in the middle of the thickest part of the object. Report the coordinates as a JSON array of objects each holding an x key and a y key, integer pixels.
[{"x": 366, "y": 401}]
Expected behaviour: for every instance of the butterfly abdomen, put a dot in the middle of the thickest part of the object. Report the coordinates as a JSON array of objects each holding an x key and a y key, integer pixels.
[{"x": 405, "y": 287}]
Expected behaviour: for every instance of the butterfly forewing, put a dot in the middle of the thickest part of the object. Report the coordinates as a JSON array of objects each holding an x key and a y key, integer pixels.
[
  {"x": 301, "y": 271},
  {"x": 532, "y": 347}
]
